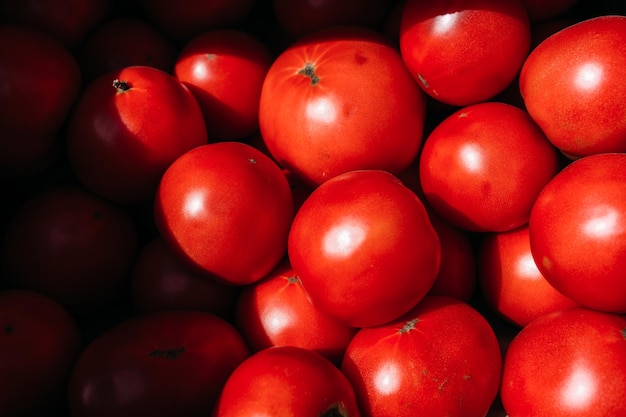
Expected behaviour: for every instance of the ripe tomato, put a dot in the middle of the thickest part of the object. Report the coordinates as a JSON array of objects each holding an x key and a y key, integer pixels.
[
  {"x": 226, "y": 208},
  {"x": 441, "y": 359},
  {"x": 287, "y": 381},
  {"x": 341, "y": 99},
  {"x": 483, "y": 166},
  {"x": 464, "y": 51},
  {"x": 171, "y": 363},
  {"x": 578, "y": 231},
  {"x": 573, "y": 86},
  {"x": 364, "y": 248},
  {"x": 127, "y": 128},
  {"x": 568, "y": 363}
]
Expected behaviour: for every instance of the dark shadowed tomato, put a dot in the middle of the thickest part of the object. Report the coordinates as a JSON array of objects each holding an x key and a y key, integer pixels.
[
  {"x": 464, "y": 51},
  {"x": 341, "y": 99},
  {"x": 364, "y": 248},
  {"x": 287, "y": 381},
  {"x": 23, "y": 155},
  {"x": 542, "y": 10},
  {"x": 440, "y": 359},
  {"x": 570, "y": 363}
]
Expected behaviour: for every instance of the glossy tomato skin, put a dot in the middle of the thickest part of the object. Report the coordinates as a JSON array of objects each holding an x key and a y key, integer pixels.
[
  {"x": 446, "y": 45},
  {"x": 483, "y": 166},
  {"x": 226, "y": 208},
  {"x": 161, "y": 364},
  {"x": 338, "y": 100},
  {"x": 127, "y": 128},
  {"x": 364, "y": 248},
  {"x": 441, "y": 358},
  {"x": 39, "y": 343},
  {"x": 572, "y": 85},
  {"x": 568, "y": 363},
  {"x": 286, "y": 381},
  {"x": 578, "y": 231}
]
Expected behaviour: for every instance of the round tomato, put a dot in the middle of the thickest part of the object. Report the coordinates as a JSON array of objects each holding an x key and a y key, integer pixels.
[
  {"x": 364, "y": 248},
  {"x": 338, "y": 100},
  {"x": 578, "y": 231}
]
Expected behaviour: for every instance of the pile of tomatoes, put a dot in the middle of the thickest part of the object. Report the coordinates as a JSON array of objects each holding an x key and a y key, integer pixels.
[{"x": 312, "y": 208}]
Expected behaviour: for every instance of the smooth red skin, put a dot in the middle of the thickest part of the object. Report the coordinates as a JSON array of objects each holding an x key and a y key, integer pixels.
[
  {"x": 541, "y": 10},
  {"x": 39, "y": 343},
  {"x": 510, "y": 281},
  {"x": 580, "y": 117},
  {"x": 378, "y": 110},
  {"x": 483, "y": 166},
  {"x": 119, "y": 144},
  {"x": 119, "y": 374},
  {"x": 578, "y": 232},
  {"x": 364, "y": 248},
  {"x": 441, "y": 358},
  {"x": 276, "y": 311},
  {"x": 225, "y": 70},
  {"x": 570, "y": 363},
  {"x": 160, "y": 281},
  {"x": 473, "y": 59},
  {"x": 287, "y": 381},
  {"x": 41, "y": 81},
  {"x": 25, "y": 155},
  {"x": 241, "y": 210},
  {"x": 72, "y": 246}
]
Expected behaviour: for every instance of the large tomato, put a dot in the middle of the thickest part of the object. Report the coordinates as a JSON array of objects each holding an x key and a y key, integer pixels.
[
  {"x": 573, "y": 86},
  {"x": 364, "y": 248},
  {"x": 341, "y": 99}
]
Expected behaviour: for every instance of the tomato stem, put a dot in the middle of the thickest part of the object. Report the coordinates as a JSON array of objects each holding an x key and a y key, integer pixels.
[
  {"x": 335, "y": 410},
  {"x": 309, "y": 71},
  {"x": 121, "y": 85}
]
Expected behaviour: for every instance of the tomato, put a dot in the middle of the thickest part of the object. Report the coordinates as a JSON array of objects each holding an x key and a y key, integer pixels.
[
  {"x": 225, "y": 69},
  {"x": 160, "y": 364},
  {"x": 226, "y": 208},
  {"x": 25, "y": 155},
  {"x": 338, "y": 100},
  {"x": 440, "y": 359},
  {"x": 127, "y": 128},
  {"x": 568, "y": 363},
  {"x": 572, "y": 85},
  {"x": 364, "y": 248},
  {"x": 578, "y": 231},
  {"x": 482, "y": 167},
  {"x": 287, "y": 381},
  {"x": 39, "y": 343}
]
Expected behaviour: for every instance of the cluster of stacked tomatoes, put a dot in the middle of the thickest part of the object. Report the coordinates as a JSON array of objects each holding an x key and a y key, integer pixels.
[{"x": 305, "y": 208}]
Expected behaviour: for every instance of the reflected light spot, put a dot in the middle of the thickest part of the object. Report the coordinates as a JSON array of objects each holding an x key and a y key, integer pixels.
[
  {"x": 276, "y": 320},
  {"x": 527, "y": 268},
  {"x": 194, "y": 204},
  {"x": 579, "y": 388},
  {"x": 200, "y": 71},
  {"x": 602, "y": 225},
  {"x": 322, "y": 110},
  {"x": 471, "y": 157},
  {"x": 342, "y": 240},
  {"x": 589, "y": 76},
  {"x": 387, "y": 379},
  {"x": 443, "y": 23}
]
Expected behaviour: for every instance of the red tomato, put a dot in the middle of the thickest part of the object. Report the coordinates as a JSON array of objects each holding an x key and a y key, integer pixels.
[
  {"x": 226, "y": 208},
  {"x": 364, "y": 248},
  {"x": 464, "y": 51},
  {"x": 570, "y": 363},
  {"x": 39, "y": 342},
  {"x": 171, "y": 363},
  {"x": 578, "y": 232},
  {"x": 225, "y": 69},
  {"x": 338, "y": 100},
  {"x": 573, "y": 86},
  {"x": 276, "y": 311},
  {"x": 127, "y": 128},
  {"x": 482, "y": 167},
  {"x": 287, "y": 381},
  {"x": 440, "y": 359},
  {"x": 24, "y": 155}
]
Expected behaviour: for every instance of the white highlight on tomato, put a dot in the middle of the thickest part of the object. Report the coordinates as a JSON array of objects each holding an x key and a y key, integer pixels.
[
  {"x": 471, "y": 157},
  {"x": 387, "y": 378},
  {"x": 276, "y": 320},
  {"x": 322, "y": 110},
  {"x": 194, "y": 204},
  {"x": 604, "y": 224},
  {"x": 579, "y": 389},
  {"x": 444, "y": 22},
  {"x": 343, "y": 239},
  {"x": 589, "y": 76},
  {"x": 527, "y": 268}
]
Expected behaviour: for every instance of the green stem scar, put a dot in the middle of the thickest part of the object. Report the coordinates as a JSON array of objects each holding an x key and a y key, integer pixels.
[{"x": 309, "y": 71}]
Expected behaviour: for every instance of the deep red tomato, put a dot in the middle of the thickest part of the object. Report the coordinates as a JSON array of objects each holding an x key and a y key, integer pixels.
[
  {"x": 171, "y": 363},
  {"x": 225, "y": 69},
  {"x": 578, "y": 231},
  {"x": 25, "y": 155},
  {"x": 287, "y": 381},
  {"x": 341, "y": 99},
  {"x": 226, "y": 208},
  {"x": 128, "y": 127},
  {"x": 440, "y": 359},
  {"x": 570, "y": 363},
  {"x": 39, "y": 343},
  {"x": 464, "y": 51},
  {"x": 364, "y": 248},
  {"x": 482, "y": 167},
  {"x": 573, "y": 86}
]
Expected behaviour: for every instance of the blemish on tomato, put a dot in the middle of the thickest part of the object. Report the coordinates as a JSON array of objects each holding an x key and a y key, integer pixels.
[
  {"x": 547, "y": 263},
  {"x": 422, "y": 80},
  {"x": 360, "y": 59}
]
